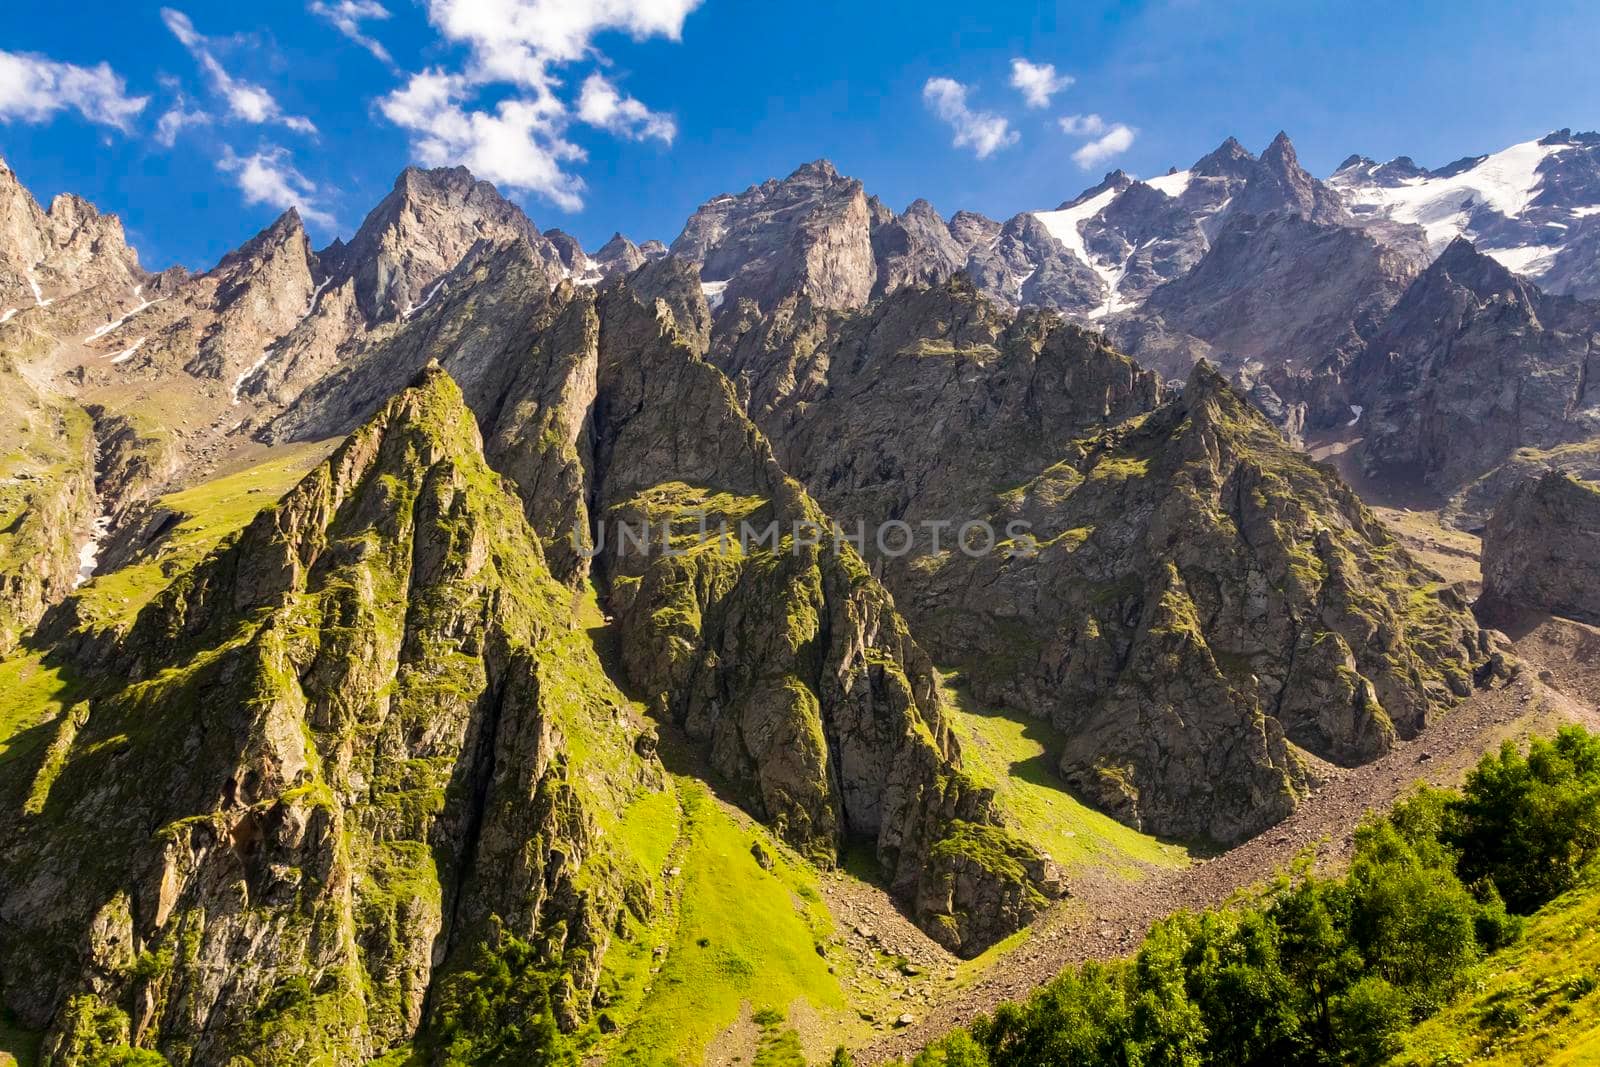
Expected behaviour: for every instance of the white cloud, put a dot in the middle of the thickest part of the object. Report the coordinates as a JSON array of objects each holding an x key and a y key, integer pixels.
[
  {"x": 602, "y": 106},
  {"x": 347, "y": 16},
  {"x": 517, "y": 41},
  {"x": 982, "y": 131},
  {"x": 520, "y": 144},
  {"x": 1083, "y": 125},
  {"x": 1116, "y": 140},
  {"x": 245, "y": 100},
  {"x": 1037, "y": 82},
  {"x": 178, "y": 117},
  {"x": 33, "y": 88},
  {"x": 268, "y": 177}
]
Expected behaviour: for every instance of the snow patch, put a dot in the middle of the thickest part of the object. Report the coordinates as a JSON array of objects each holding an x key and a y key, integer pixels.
[
  {"x": 5, "y": 316},
  {"x": 1585, "y": 212},
  {"x": 89, "y": 554},
  {"x": 1529, "y": 259},
  {"x": 38, "y": 294},
  {"x": 1356, "y": 410},
  {"x": 108, "y": 327},
  {"x": 311, "y": 305},
  {"x": 1505, "y": 182},
  {"x": 589, "y": 273},
  {"x": 250, "y": 372},
  {"x": 713, "y": 292},
  {"x": 1171, "y": 184},
  {"x": 127, "y": 353},
  {"x": 427, "y": 298},
  {"x": 1064, "y": 225}
]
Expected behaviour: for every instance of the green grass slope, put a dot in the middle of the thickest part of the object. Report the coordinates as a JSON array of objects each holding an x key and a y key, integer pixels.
[
  {"x": 1535, "y": 1003},
  {"x": 1015, "y": 755}
]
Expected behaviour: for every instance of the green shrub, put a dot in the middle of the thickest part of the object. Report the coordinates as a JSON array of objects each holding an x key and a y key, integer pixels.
[{"x": 1322, "y": 970}]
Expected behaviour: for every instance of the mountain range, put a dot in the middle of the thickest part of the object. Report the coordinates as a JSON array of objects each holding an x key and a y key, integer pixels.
[{"x": 343, "y": 721}]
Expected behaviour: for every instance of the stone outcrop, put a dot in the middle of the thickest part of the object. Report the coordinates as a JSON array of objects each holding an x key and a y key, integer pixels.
[
  {"x": 47, "y": 501},
  {"x": 1476, "y": 369},
  {"x": 1186, "y": 576},
  {"x": 344, "y": 750},
  {"x": 1541, "y": 550},
  {"x": 810, "y": 234}
]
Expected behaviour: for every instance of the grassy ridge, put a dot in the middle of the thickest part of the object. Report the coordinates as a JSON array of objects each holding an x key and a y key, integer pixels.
[
  {"x": 1537, "y": 1002},
  {"x": 207, "y": 514}
]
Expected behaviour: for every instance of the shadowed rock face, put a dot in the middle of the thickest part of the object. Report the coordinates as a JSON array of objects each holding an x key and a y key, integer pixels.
[
  {"x": 1476, "y": 371},
  {"x": 786, "y": 661},
  {"x": 1189, "y": 576},
  {"x": 1541, "y": 550}
]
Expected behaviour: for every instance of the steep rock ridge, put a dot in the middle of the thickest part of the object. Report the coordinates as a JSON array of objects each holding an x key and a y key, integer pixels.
[
  {"x": 1533, "y": 207},
  {"x": 1541, "y": 550},
  {"x": 1287, "y": 300},
  {"x": 1279, "y": 184},
  {"x": 558, "y": 382},
  {"x": 44, "y": 256},
  {"x": 1183, "y": 575},
  {"x": 1027, "y": 264},
  {"x": 419, "y": 232},
  {"x": 257, "y": 294},
  {"x": 999, "y": 395},
  {"x": 785, "y": 659},
  {"x": 915, "y": 246},
  {"x": 360, "y": 746},
  {"x": 1473, "y": 366},
  {"x": 808, "y": 234},
  {"x": 47, "y": 501},
  {"x": 478, "y": 317}
]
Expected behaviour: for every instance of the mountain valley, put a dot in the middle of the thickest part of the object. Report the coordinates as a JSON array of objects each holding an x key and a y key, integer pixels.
[{"x": 453, "y": 646}]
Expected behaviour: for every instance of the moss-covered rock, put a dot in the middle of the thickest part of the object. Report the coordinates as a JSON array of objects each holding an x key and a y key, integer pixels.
[
  {"x": 364, "y": 738},
  {"x": 1186, "y": 597}
]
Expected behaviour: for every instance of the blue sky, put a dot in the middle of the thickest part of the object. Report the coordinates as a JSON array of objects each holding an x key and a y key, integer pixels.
[{"x": 604, "y": 115}]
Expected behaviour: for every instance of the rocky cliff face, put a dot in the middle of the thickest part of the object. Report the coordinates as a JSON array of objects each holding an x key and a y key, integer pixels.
[
  {"x": 1184, "y": 576},
  {"x": 47, "y": 501},
  {"x": 1541, "y": 550},
  {"x": 809, "y": 234},
  {"x": 1476, "y": 369},
  {"x": 786, "y": 661},
  {"x": 345, "y": 749},
  {"x": 1287, "y": 301},
  {"x": 44, "y": 256},
  {"x": 419, "y": 232}
]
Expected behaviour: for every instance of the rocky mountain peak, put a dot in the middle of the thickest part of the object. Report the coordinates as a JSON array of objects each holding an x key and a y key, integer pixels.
[
  {"x": 1279, "y": 183},
  {"x": 70, "y": 248},
  {"x": 422, "y": 229},
  {"x": 285, "y": 234},
  {"x": 817, "y": 170},
  {"x": 1230, "y": 159},
  {"x": 1118, "y": 180}
]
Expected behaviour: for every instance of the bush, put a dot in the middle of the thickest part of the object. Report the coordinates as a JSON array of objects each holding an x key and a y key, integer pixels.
[
  {"x": 1530, "y": 825},
  {"x": 1327, "y": 970}
]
